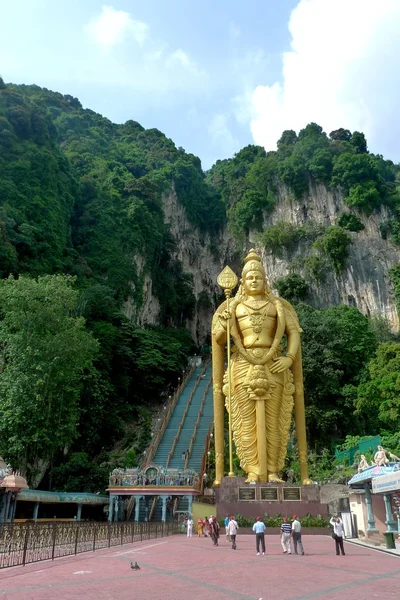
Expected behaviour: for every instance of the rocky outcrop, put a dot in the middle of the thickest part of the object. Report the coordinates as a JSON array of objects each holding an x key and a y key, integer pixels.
[{"x": 363, "y": 283}]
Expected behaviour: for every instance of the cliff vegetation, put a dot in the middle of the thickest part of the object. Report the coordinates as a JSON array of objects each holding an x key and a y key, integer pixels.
[{"x": 86, "y": 244}]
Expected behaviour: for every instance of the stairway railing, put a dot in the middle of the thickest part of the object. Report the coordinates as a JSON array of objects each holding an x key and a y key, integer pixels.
[
  {"x": 175, "y": 506},
  {"x": 196, "y": 425},
  {"x": 171, "y": 452},
  {"x": 160, "y": 432},
  {"x": 205, "y": 457},
  {"x": 129, "y": 507},
  {"x": 153, "y": 506}
]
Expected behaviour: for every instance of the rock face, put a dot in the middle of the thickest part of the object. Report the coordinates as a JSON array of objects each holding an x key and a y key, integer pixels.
[{"x": 363, "y": 283}]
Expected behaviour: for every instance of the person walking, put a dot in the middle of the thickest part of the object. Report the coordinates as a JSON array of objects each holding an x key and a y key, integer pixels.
[
  {"x": 232, "y": 530},
  {"x": 286, "y": 530},
  {"x": 296, "y": 534},
  {"x": 214, "y": 530},
  {"x": 199, "y": 527},
  {"x": 259, "y": 529},
  {"x": 189, "y": 526},
  {"x": 206, "y": 527},
  {"x": 226, "y": 523},
  {"x": 338, "y": 533}
]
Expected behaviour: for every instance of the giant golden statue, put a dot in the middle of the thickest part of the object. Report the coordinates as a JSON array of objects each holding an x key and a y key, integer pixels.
[{"x": 260, "y": 386}]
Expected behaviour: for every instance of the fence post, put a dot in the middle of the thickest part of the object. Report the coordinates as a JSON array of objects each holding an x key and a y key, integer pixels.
[
  {"x": 122, "y": 534},
  {"x": 133, "y": 531},
  {"x": 25, "y": 545},
  {"x": 141, "y": 531},
  {"x": 76, "y": 537},
  {"x": 54, "y": 540},
  {"x": 109, "y": 535},
  {"x": 94, "y": 538},
  {"x": 156, "y": 530}
]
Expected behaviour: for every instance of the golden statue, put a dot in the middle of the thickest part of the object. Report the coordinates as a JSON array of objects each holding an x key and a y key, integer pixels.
[{"x": 260, "y": 386}]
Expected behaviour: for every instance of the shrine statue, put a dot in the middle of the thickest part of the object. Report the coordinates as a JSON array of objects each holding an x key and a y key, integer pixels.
[
  {"x": 265, "y": 383},
  {"x": 380, "y": 458},
  {"x": 363, "y": 464}
]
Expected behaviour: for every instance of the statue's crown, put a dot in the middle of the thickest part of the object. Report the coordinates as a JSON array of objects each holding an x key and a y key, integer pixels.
[{"x": 253, "y": 263}]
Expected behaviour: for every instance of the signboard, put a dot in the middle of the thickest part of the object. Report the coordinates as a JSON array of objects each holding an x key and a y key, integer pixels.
[
  {"x": 269, "y": 493},
  {"x": 292, "y": 494},
  {"x": 247, "y": 494},
  {"x": 386, "y": 483}
]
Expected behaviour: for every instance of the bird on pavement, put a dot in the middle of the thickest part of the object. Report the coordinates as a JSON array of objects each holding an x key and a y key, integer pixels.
[{"x": 135, "y": 566}]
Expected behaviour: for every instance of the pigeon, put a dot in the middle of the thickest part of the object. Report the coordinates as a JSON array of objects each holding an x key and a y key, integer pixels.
[{"x": 135, "y": 566}]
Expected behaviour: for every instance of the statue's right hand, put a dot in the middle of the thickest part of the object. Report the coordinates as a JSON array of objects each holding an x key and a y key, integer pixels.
[{"x": 225, "y": 316}]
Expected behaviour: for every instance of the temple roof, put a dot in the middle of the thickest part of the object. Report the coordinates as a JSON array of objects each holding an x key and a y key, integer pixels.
[{"x": 372, "y": 472}]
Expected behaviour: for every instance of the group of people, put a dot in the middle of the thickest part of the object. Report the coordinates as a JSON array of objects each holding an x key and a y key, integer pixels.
[{"x": 290, "y": 533}]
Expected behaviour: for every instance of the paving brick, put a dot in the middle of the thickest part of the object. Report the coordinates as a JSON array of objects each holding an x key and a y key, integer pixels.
[{"x": 181, "y": 568}]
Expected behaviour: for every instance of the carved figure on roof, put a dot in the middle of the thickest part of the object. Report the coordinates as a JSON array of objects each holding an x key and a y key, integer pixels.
[
  {"x": 363, "y": 464},
  {"x": 380, "y": 458}
]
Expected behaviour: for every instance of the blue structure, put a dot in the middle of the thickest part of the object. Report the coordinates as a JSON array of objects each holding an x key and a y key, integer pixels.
[{"x": 372, "y": 481}]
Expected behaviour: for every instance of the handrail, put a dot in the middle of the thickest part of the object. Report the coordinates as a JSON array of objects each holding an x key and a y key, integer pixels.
[
  {"x": 160, "y": 432},
  {"x": 175, "y": 506},
  {"x": 171, "y": 452},
  {"x": 205, "y": 456},
  {"x": 196, "y": 425},
  {"x": 129, "y": 507},
  {"x": 153, "y": 506}
]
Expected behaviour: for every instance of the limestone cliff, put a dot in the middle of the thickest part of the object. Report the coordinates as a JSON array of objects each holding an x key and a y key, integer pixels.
[{"x": 363, "y": 283}]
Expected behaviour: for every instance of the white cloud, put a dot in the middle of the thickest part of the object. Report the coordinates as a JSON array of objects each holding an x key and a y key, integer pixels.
[
  {"x": 113, "y": 27},
  {"x": 221, "y": 135},
  {"x": 341, "y": 72},
  {"x": 179, "y": 57}
]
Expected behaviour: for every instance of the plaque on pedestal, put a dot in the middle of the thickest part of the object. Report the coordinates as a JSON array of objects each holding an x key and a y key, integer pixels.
[
  {"x": 247, "y": 494},
  {"x": 292, "y": 494},
  {"x": 269, "y": 493}
]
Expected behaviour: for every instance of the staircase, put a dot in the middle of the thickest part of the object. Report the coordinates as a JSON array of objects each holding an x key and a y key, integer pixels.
[{"x": 185, "y": 414}]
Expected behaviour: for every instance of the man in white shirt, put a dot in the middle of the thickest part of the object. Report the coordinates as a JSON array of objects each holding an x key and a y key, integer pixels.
[
  {"x": 189, "y": 526},
  {"x": 296, "y": 534},
  {"x": 232, "y": 530},
  {"x": 338, "y": 533}
]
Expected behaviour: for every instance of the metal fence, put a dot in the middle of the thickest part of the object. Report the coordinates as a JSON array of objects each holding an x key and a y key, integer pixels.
[{"x": 24, "y": 543}]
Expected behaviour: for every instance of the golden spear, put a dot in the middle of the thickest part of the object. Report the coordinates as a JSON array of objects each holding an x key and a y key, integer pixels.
[{"x": 227, "y": 280}]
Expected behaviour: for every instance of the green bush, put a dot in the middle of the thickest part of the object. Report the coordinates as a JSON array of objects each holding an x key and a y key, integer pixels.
[
  {"x": 334, "y": 243},
  {"x": 292, "y": 287},
  {"x": 350, "y": 222},
  {"x": 306, "y": 521},
  {"x": 316, "y": 267}
]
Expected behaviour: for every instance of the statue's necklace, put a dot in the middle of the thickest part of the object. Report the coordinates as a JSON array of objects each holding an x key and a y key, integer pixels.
[{"x": 258, "y": 317}]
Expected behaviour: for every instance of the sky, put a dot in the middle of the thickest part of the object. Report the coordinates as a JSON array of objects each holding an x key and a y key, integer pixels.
[{"x": 216, "y": 75}]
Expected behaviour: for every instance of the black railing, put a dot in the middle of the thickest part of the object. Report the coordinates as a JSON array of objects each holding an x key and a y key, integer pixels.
[{"x": 24, "y": 543}]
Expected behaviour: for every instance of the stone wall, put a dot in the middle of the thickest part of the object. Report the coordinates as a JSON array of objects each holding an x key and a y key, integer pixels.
[{"x": 227, "y": 500}]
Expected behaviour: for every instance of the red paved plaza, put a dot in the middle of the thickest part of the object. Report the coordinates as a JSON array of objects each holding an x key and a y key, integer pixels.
[{"x": 180, "y": 568}]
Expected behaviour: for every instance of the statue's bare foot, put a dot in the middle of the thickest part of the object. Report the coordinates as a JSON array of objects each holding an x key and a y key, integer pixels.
[
  {"x": 273, "y": 478},
  {"x": 307, "y": 482},
  {"x": 251, "y": 478}
]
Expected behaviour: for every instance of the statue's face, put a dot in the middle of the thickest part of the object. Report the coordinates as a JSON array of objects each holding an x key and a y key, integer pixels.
[{"x": 254, "y": 283}]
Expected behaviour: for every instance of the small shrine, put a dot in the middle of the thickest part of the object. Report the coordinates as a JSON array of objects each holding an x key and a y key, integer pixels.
[{"x": 141, "y": 493}]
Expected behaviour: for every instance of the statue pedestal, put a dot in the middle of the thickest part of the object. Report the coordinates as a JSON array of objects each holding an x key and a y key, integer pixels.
[{"x": 234, "y": 496}]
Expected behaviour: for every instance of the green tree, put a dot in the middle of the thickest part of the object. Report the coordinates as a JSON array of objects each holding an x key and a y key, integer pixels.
[
  {"x": 337, "y": 344},
  {"x": 292, "y": 287},
  {"x": 44, "y": 353},
  {"x": 378, "y": 397},
  {"x": 334, "y": 243}
]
